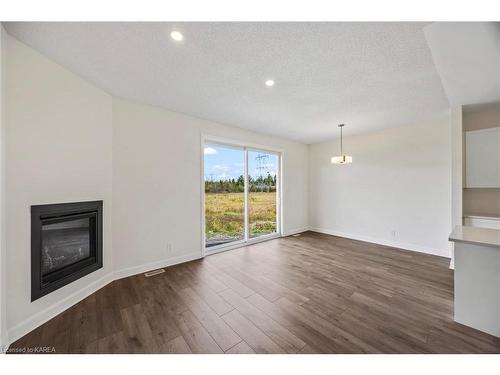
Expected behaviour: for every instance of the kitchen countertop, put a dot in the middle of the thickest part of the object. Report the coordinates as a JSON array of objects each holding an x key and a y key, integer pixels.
[{"x": 476, "y": 236}]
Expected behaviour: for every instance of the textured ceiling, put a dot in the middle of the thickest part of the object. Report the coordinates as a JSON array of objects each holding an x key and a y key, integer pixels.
[{"x": 367, "y": 75}]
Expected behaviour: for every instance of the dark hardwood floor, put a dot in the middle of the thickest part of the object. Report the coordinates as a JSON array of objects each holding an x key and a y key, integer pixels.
[{"x": 309, "y": 294}]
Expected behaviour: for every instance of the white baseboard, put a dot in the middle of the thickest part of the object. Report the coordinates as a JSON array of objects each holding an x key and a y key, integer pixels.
[
  {"x": 43, "y": 316},
  {"x": 399, "y": 245},
  {"x": 126, "y": 272},
  {"x": 4, "y": 341},
  {"x": 295, "y": 231},
  {"x": 452, "y": 256}
]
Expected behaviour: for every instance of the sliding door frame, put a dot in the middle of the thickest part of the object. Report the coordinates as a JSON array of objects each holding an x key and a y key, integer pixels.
[{"x": 245, "y": 147}]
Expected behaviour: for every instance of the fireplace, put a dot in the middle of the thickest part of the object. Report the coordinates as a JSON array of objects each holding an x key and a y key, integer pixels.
[{"x": 66, "y": 244}]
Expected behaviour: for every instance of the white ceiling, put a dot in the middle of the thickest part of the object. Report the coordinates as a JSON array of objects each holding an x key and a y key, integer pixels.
[
  {"x": 467, "y": 58},
  {"x": 367, "y": 75}
]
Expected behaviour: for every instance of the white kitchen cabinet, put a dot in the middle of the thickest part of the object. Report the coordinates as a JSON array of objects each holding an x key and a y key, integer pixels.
[{"x": 482, "y": 156}]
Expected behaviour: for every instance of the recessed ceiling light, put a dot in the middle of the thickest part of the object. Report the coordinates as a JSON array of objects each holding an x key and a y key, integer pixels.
[
  {"x": 269, "y": 83},
  {"x": 177, "y": 36}
]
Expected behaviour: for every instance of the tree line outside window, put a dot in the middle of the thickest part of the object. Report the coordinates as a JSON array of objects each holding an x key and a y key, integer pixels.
[{"x": 258, "y": 184}]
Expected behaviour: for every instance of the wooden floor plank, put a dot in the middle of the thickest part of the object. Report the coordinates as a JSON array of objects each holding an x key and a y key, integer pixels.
[
  {"x": 115, "y": 343},
  {"x": 223, "y": 335},
  {"x": 241, "y": 348},
  {"x": 332, "y": 331},
  {"x": 203, "y": 276},
  {"x": 230, "y": 282},
  {"x": 212, "y": 299},
  {"x": 315, "y": 339},
  {"x": 253, "y": 336},
  {"x": 196, "y": 336},
  {"x": 176, "y": 346},
  {"x": 283, "y": 337},
  {"x": 137, "y": 331}
]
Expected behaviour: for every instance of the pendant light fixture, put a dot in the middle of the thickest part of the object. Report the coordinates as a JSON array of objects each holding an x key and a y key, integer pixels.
[{"x": 342, "y": 159}]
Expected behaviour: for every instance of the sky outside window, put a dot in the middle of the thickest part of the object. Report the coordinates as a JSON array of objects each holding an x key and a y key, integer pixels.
[{"x": 222, "y": 163}]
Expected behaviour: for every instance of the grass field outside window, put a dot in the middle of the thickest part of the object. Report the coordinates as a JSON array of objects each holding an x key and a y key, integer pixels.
[{"x": 224, "y": 216}]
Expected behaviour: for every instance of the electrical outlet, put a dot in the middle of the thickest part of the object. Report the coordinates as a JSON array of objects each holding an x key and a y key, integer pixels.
[
  {"x": 168, "y": 247},
  {"x": 393, "y": 233}
]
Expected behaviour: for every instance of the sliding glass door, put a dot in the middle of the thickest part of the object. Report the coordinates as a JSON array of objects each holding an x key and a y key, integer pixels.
[
  {"x": 224, "y": 194},
  {"x": 241, "y": 195}
]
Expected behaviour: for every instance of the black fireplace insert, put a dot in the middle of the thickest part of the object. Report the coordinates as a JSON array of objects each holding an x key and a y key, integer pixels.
[{"x": 66, "y": 244}]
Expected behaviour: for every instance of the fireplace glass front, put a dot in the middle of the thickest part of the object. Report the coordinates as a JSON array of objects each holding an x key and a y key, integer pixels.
[{"x": 66, "y": 244}]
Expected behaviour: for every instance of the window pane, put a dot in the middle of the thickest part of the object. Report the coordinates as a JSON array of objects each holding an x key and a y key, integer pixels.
[
  {"x": 224, "y": 194},
  {"x": 262, "y": 172}
]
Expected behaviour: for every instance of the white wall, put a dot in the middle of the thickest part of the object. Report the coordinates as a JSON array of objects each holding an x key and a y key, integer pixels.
[
  {"x": 457, "y": 169},
  {"x": 58, "y": 149},
  {"x": 399, "y": 181},
  {"x": 3, "y": 315},
  {"x": 157, "y": 184}
]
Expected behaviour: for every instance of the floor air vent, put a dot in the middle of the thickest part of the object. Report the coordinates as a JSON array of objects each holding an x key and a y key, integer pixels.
[
  {"x": 296, "y": 235},
  {"x": 155, "y": 272}
]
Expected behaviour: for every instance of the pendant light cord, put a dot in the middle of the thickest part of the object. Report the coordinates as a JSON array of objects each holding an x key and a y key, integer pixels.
[{"x": 341, "y": 152}]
